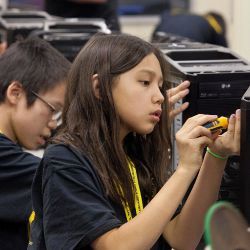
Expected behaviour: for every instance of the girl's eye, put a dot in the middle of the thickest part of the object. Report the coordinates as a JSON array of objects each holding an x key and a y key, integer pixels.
[{"x": 145, "y": 82}]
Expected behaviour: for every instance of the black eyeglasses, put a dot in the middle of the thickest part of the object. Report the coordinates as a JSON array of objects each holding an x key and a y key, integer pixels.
[{"x": 56, "y": 114}]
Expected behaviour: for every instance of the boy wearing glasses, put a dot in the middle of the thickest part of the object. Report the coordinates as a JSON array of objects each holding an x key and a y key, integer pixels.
[{"x": 32, "y": 87}]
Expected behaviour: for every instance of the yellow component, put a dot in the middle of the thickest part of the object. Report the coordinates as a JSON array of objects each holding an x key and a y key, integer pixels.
[
  {"x": 219, "y": 123},
  {"x": 223, "y": 121}
]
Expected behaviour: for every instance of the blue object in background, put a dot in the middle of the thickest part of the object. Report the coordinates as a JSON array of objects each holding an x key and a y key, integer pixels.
[
  {"x": 35, "y": 4},
  {"x": 130, "y": 9}
]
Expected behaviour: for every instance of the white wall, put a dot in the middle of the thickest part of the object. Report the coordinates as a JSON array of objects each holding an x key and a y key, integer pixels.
[
  {"x": 3, "y": 4},
  {"x": 236, "y": 14},
  {"x": 142, "y": 26},
  {"x": 241, "y": 28}
]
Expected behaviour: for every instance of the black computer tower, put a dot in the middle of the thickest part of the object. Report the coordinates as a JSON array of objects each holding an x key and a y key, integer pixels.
[
  {"x": 17, "y": 24},
  {"x": 69, "y": 35},
  {"x": 219, "y": 78}
]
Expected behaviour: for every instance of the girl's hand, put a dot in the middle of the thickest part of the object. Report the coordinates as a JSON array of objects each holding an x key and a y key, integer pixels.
[
  {"x": 191, "y": 140},
  {"x": 228, "y": 143},
  {"x": 176, "y": 94}
]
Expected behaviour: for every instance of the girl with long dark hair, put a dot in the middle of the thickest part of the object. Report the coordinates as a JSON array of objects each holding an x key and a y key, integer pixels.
[{"x": 105, "y": 182}]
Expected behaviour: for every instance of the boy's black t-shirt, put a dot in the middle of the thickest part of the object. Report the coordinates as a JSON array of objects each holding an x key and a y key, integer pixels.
[
  {"x": 71, "y": 207},
  {"x": 17, "y": 169}
]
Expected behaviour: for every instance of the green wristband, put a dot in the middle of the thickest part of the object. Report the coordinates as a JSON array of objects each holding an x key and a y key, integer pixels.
[{"x": 215, "y": 155}]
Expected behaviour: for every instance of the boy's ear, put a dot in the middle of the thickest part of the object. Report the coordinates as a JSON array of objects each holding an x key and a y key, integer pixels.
[
  {"x": 96, "y": 86},
  {"x": 14, "y": 92}
]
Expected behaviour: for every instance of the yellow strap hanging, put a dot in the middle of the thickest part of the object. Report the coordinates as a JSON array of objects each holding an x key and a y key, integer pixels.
[
  {"x": 214, "y": 23},
  {"x": 31, "y": 219},
  {"x": 138, "y": 197}
]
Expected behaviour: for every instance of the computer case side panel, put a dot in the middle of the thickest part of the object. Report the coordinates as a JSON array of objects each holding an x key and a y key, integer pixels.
[{"x": 245, "y": 156}]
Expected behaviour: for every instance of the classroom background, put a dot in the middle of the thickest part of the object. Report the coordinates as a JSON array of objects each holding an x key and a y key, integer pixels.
[{"x": 136, "y": 18}]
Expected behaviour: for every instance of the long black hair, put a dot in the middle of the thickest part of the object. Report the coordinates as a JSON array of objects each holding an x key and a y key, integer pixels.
[{"x": 92, "y": 125}]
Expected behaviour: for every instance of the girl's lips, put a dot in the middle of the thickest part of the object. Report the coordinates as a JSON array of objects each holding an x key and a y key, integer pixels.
[
  {"x": 155, "y": 116},
  {"x": 157, "y": 113}
]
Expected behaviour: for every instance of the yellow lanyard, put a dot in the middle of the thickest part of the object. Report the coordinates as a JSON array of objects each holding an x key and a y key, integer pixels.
[
  {"x": 31, "y": 219},
  {"x": 138, "y": 198}
]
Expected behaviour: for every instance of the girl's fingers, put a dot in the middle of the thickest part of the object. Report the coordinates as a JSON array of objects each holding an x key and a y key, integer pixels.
[
  {"x": 204, "y": 141},
  {"x": 200, "y": 131},
  {"x": 216, "y": 134},
  {"x": 237, "y": 125},
  {"x": 178, "y": 96},
  {"x": 179, "y": 109},
  {"x": 231, "y": 125},
  {"x": 173, "y": 91},
  {"x": 191, "y": 119},
  {"x": 198, "y": 120}
]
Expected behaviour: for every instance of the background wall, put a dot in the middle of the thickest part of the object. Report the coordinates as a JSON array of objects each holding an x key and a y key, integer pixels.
[
  {"x": 241, "y": 28},
  {"x": 141, "y": 26},
  {"x": 3, "y": 4}
]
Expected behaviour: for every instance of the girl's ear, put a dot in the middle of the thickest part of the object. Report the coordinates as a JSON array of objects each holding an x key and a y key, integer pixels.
[
  {"x": 96, "y": 86},
  {"x": 14, "y": 92}
]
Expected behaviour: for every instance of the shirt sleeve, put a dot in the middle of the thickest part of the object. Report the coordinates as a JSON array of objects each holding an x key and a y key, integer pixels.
[{"x": 76, "y": 210}]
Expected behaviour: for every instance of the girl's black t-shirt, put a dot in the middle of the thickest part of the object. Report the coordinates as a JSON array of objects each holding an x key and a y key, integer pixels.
[{"x": 71, "y": 207}]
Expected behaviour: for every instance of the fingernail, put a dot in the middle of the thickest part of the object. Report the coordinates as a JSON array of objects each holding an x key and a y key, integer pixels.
[
  {"x": 238, "y": 113},
  {"x": 232, "y": 116}
]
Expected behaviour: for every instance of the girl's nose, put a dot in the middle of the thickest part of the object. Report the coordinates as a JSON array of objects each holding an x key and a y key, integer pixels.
[{"x": 158, "y": 97}]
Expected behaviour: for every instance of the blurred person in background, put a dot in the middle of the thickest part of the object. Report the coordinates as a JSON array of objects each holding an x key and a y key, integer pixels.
[
  {"x": 208, "y": 28},
  {"x": 106, "y": 9}
]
